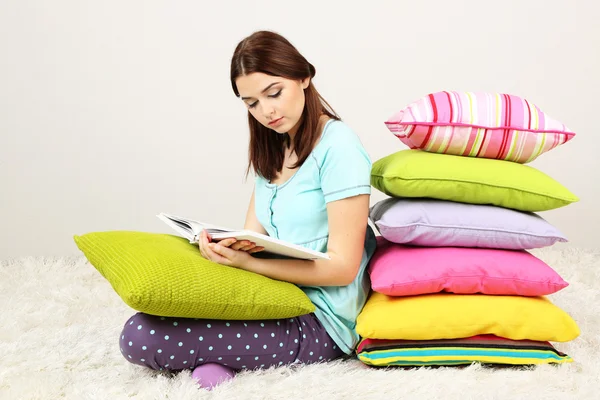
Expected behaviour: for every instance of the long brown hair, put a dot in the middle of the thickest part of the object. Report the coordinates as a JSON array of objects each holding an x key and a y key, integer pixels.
[{"x": 270, "y": 53}]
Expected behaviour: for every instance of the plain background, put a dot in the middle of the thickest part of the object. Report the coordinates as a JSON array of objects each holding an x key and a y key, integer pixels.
[{"x": 114, "y": 111}]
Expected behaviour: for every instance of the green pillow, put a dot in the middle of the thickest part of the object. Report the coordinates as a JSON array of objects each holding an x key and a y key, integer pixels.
[
  {"x": 165, "y": 275},
  {"x": 417, "y": 173}
]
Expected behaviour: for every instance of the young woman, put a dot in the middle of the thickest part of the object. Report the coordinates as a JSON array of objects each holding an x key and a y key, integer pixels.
[{"x": 312, "y": 188}]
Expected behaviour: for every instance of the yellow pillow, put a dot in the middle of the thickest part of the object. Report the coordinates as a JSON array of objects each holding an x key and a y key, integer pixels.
[
  {"x": 452, "y": 316},
  {"x": 417, "y": 173}
]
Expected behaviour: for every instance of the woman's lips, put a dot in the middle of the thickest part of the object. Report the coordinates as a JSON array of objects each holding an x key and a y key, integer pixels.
[{"x": 275, "y": 122}]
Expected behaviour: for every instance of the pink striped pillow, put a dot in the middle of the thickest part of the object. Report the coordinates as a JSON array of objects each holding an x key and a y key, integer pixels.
[{"x": 486, "y": 125}]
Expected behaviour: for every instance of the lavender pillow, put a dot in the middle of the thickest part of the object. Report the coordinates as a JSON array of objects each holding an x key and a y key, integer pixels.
[{"x": 438, "y": 223}]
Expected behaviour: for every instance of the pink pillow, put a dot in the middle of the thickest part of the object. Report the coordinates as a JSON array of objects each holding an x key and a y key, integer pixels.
[
  {"x": 486, "y": 125},
  {"x": 399, "y": 270}
]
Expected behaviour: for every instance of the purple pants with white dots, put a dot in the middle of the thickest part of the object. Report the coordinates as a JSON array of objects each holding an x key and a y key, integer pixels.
[{"x": 164, "y": 343}]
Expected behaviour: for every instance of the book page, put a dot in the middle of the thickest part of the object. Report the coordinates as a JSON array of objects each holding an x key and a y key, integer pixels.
[
  {"x": 191, "y": 226},
  {"x": 182, "y": 228}
]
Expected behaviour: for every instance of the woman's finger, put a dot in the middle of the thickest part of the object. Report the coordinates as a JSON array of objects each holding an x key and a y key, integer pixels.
[
  {"x": 202, "y": 249},
  {"x": 225, "y": 252},
  {"x": 227, "y": 242},
  {"x": 249, "y": 247},
  {"x": 211, "y": 255},
  {"x": 203, "y": 244},
  {"x": 202, "y": 252},
  {"x": 239, "y": 244},
  {"x": 255, "y": 249},
  {"x": 215, "y": 257},
  {"x": 205, "y": 237}
]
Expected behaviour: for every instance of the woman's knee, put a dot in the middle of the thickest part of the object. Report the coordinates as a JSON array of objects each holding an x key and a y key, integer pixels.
[{"x": 136, "y": 337}]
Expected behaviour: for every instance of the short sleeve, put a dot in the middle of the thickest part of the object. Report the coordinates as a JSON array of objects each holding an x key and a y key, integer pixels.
[{"x": 345, "y": 169}]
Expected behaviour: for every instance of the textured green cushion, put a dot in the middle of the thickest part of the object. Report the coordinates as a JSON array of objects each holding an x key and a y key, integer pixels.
[
  {"x": 417, "y": 173},
  {"x": 165, "y": 275}
]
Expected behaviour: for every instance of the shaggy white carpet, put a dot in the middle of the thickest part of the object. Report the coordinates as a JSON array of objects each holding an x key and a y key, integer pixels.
[{"x": 60, "y": 323}]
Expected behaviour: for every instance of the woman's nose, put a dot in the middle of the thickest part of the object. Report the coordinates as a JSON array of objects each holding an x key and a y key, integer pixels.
[{"x": 268, "y": 111}]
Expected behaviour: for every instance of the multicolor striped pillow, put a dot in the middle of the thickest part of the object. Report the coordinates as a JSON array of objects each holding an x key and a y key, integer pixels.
[
  {"x": 484, "y": 349},
  {"x": 486, "y": 125}
]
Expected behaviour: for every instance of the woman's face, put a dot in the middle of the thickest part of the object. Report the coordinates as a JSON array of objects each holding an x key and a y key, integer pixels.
[{"x": 275, "y": 102}]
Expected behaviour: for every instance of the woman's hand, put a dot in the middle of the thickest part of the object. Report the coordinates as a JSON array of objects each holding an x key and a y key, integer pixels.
[{"x": 229, "y": 252}]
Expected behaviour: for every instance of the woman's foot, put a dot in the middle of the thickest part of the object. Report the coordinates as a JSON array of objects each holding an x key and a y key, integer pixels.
[{"x": 210, "y": 375}]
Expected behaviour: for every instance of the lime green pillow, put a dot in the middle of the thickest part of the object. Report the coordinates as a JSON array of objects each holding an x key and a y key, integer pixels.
[
  {"x": 417, "y": 173},
  {"x": 165, "y": 275}
]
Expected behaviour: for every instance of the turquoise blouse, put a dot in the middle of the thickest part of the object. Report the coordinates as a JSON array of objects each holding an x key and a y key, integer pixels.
[{"x": 296, "y": 211}]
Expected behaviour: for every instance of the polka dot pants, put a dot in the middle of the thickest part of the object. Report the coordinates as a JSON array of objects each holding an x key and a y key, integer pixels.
[{"x": 180, "y": 343}]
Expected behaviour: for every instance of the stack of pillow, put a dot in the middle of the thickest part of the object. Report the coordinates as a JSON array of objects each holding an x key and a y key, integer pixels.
[{"x": 453, "y": 282}]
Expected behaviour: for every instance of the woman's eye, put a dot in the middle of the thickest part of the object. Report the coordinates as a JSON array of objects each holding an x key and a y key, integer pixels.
[{"x": 272, "y": 95}]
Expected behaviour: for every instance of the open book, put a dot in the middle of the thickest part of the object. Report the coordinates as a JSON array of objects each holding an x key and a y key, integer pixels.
[{"x": 191, "y": 230}]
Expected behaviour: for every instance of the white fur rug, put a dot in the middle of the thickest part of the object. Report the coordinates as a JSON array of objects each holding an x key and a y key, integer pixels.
[{"x": 60, "y": 323}]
